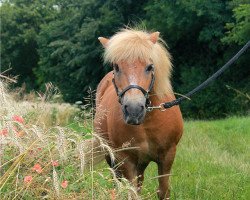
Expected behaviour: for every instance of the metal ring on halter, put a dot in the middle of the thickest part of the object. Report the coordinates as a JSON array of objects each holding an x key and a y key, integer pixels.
[
  {"x": 149, "y": 109},
  {"x": 162, "y": 108}
]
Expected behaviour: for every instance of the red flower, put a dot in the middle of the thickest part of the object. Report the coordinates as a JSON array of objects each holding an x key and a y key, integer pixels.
[
  {"x": 112, "y": 194},
  {"x": 64, "y": 184},
  {"x": 55, "y": 163},
  {"x": 18, "y": 119},
  {"x": 37, "y": 167},
  {"x": 4, "y": 132},
  {"x": 28, "y": 179}
]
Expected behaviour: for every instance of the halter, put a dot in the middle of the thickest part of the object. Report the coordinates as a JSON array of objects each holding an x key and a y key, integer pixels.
[{"x": 145, "y": 92}]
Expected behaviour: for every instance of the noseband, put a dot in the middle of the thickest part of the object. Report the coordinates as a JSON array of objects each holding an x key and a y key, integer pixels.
[{"x": 120, "y": 94}]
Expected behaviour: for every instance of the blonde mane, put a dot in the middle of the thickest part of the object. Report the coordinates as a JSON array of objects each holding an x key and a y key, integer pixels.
[{"x": 130, "y": 45}]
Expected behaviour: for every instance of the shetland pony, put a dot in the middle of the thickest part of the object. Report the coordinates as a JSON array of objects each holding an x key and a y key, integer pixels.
[{"x": 140, "y": 78}]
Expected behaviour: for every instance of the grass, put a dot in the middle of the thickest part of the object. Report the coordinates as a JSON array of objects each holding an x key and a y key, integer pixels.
[{"x": 212, "y": 160}]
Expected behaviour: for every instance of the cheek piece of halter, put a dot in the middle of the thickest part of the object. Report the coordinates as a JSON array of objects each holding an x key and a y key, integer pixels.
[{"x": 120, "y": 94}]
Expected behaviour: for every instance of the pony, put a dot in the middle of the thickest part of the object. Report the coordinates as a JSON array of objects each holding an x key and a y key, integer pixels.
[{"x": 140, "y": 78}]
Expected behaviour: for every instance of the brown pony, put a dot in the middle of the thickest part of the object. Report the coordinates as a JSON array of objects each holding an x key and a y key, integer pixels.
[{"x": 140, "y": 78}]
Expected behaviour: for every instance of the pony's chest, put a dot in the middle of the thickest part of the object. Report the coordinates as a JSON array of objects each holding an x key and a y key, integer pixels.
[{"x": 147, "y": 148}]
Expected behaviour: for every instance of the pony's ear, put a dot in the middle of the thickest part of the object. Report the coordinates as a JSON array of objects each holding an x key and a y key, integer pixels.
[
  {"x": 104, "y": 41},
  {"x": 154, "y": 37}
]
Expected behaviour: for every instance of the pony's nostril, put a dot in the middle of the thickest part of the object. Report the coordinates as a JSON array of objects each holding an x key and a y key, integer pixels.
[
  {"x": 126, "y": 108},
  {"x": 133, "y": 109}
]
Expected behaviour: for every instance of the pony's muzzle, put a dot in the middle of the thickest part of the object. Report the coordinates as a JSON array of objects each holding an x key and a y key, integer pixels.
[{"x": 134, "y": 112}]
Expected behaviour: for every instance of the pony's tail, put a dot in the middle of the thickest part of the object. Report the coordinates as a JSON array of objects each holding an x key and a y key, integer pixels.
[{"x": 94, "y": 150}]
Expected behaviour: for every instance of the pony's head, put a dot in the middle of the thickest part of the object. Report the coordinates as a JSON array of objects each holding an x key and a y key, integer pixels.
[{"x": 141, "y": 65}]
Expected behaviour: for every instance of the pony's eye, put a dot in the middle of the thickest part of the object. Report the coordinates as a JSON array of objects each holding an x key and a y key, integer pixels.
[
  {"x": 150, "y": 68},
  {"x": 116, "y": 67}
]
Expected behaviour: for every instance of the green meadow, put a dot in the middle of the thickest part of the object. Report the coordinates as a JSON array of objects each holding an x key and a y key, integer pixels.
[{"x": 212, "y": 162}]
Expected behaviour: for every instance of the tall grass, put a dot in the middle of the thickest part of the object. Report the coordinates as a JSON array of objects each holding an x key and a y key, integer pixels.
[{"x": 47, "y": 153}]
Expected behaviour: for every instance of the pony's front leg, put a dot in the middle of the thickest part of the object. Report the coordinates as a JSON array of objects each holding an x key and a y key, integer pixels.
[
  {"x": 164, "y": 167},
  {"x": 113, "y": 165},
  {"x": 128, "y": 169}
]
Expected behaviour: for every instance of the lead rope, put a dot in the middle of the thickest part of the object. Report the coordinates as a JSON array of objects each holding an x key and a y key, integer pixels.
[{"x": 164, "y": 106}]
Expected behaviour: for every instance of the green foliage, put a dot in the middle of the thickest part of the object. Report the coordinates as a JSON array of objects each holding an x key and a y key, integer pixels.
[
  {"x": 56, "y": 41},
  {"x": 69, "y": 50},
  {"x": 193, "y": 31},
  {"x": 20, "y": 24},
  {"x": 239, "y": 31},
  {"x": 70, "y": 54}
]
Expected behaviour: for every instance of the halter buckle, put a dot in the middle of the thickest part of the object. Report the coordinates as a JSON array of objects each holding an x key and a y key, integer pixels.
[{"x": 160, "y": 107}]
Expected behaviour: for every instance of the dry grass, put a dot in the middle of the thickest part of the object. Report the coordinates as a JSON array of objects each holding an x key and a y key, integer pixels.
[{"x": 43, "y": 158}]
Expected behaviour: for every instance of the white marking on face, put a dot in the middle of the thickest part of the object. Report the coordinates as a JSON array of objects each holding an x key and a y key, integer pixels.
[{"x": 132, "y": 78}]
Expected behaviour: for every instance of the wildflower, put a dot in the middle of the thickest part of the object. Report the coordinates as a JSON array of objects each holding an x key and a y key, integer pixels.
[
  {"x": 39, "y": 148},
  {"x": 4, "y": 132},
  {"x": 37, "y": 167},
  {"x": 64, "y": 184},
  {"x": 18, "y": 119},
  {"x": 112, "y": 194},
  {"x": 55, "y": 163},
  {"x": 28, "y": 179}
]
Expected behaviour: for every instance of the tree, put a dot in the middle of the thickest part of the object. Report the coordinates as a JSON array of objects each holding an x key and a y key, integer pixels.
[
  {"x": 193, "y": 31},
  {"x": 20, "y": 25},
  {"x": 239, "y": 31},
  {"x": 70, "y": 53}
]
